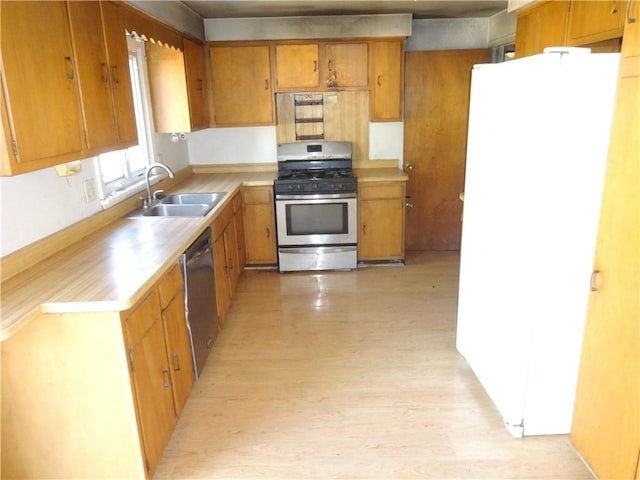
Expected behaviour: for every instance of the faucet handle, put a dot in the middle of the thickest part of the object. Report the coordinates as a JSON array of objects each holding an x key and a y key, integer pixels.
[{"x": 145, "y": 202}]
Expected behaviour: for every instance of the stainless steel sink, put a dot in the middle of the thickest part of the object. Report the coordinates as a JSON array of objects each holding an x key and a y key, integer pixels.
[
  {"x": 192, "y": 198},
  {"x": 181, "y": 205},
  {"x": 192, "y": 210}
]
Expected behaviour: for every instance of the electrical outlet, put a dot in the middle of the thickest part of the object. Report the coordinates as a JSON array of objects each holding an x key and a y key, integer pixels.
[{"x": 90, "y": 190}]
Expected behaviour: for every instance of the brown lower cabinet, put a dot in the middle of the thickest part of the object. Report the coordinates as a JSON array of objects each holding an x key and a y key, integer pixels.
[
  {"x": 228, "y": 254},
  {"x": 96, "y": 394},
  {"x": 259, "y": 225},
  {"x": 381, "y": 208}
]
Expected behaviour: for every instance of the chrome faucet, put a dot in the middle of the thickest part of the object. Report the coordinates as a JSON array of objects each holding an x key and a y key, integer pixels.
[{"x": 151, "y": 197}]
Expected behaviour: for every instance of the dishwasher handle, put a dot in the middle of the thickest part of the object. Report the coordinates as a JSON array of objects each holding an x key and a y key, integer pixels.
[
  {"x": 196, "y": 257},
  {"x": 200, "y": 247}
]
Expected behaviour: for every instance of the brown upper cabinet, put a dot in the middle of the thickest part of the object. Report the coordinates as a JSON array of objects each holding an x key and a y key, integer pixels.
[
  {"x": 386, "y": 92},
  {"x": 168, "y": 88},
  {"x": 345, "y": 65},
  {"x": 541, "y": 25},
  {"x": 196, "y": 84},
  {"x": 42, "y": 118},
  {"x": 596, "y": 24},
  {"x": 102, "y": 65},
  {"x": 241, "y": 85},
  {"x": 594, "y": 21},
  {"x": 297, "y": 67}
]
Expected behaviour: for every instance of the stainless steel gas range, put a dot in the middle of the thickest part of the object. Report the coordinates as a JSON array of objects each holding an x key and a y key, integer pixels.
[{"x": 316, "y": 207}]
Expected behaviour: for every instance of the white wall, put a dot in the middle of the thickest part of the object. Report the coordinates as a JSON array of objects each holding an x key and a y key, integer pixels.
[{"x": 38, "y": 204}]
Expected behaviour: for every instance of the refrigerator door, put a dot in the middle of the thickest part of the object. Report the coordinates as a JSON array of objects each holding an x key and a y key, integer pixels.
[{"x": 538, "y": 136}]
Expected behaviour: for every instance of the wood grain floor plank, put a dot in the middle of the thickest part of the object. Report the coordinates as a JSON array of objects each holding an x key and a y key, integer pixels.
[{"x": 350, "y": 375}]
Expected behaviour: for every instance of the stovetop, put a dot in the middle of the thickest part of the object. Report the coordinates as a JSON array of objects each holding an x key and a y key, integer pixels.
[{"x": 318, "y": 167}]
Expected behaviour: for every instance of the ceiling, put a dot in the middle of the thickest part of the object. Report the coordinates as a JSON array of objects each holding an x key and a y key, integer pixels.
[{"x": 285, "y": 8}]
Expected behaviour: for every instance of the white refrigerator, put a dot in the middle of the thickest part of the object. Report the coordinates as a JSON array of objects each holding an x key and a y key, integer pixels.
[{"x": 537, "y": 148}]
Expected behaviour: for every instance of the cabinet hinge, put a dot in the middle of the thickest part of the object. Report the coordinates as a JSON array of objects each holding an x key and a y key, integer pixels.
[{"x": 14, "y": 146}]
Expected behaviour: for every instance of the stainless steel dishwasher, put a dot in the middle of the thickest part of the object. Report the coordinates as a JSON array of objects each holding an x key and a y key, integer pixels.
[{"x": 200, "y": 298}]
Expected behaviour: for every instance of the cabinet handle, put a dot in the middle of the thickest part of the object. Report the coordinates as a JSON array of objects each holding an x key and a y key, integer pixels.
[
  {"x": 315, "y": 65},
  {"x": 70, "y": 72},
  {"x": 596, "y": 280},
  {"x": 268, "y": 232},
  {"x": 176, "y": 361},
  {"x": 379, "y": 80},
  {"x": 114, "y": 74},
  {"x": 630, "y": 19},
  {"x": 614, "y": 10},
  {"x": 364, "y": 229},
  {"x": 167, "y": 378},
  {"x": 105, "y": 72},
  {"x": 266, "y": 84},
  {"x": 199, "y": 87}
]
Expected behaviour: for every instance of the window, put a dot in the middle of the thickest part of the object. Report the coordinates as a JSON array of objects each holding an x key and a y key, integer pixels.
[{"x": 121, "y": 171}]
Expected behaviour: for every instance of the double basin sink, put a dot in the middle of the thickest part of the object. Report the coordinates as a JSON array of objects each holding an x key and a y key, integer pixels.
[{"x": 182, "y": 205}]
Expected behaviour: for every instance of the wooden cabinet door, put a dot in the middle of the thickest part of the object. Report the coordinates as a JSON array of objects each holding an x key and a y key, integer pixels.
[
  {"x": 259, "y": 225},
  {"x": 196, "y": 88},
  {"x": 381, "y": 222},
  {"x": 231, "y": 252},
  {"x": 594, "y": 21},
  {"x": 606, "y": 419},
  {"x": 119, "y": 73},
  {"x": 386, "y": 80},
  {"x": 93, "y": 74},
  {"x": 223, "y": 294},
  {"x": 346, "y": 65},
  {"x": 240, "y": 236},
  {"x": 540, "y": 26},
  {"x": 41, "y": 89},
  {"x": 297, "y": 66},
  {"x": 241, "y": 85},
  {"x": 151, "y": 379},
  {"x": 168, "y": 89},
  {"x": 178, "y": 350}
]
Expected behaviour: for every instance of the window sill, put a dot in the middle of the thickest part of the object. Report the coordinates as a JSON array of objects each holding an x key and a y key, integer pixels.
[{"x": 124, "y": 193}]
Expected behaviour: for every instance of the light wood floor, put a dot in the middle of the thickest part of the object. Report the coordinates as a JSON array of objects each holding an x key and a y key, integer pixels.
[{"x": 350, "y": 375}]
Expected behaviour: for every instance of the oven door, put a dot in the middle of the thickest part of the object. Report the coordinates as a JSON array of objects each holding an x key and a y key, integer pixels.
[{"x": 317, "y": 219}]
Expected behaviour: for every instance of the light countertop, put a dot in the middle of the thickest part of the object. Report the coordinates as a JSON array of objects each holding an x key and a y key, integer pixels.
[{"x": 114, "y": 267}]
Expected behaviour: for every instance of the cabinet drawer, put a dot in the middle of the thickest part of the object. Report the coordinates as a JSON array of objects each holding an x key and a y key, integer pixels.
[
  {"x": 385, "y": 190},
  {"x": 142, "y": 319},
  {"x": 170, "y": 285},
  {"x": 257, "y": 195}
]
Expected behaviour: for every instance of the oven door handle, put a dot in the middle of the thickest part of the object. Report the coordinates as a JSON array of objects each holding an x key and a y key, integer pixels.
[
  {"x": 306, "y": 250},
  {"x": 328, "y": 196}
]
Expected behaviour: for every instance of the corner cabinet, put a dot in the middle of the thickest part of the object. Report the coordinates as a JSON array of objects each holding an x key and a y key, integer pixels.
[
  {"x": 606, "y": 419},
  {"x": 386, "y": 89},
  {"x": 259, "y": 225},
  {"x": 42, "y": 118},
  {"x": 241, "y": 85},
  {"x": 381, "y": 216}
]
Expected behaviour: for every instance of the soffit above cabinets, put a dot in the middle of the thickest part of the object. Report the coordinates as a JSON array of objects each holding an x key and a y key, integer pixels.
[{"x": 287, "y": 8}]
